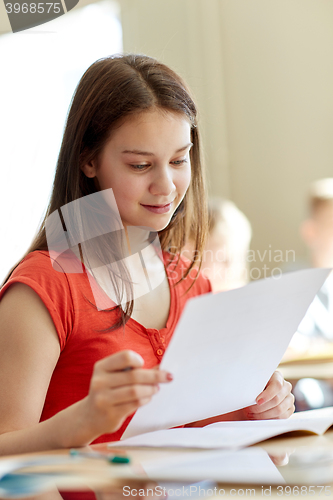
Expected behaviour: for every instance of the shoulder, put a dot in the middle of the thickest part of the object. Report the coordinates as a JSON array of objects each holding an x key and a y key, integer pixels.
[
  {"x": 38, "y": 269},
  {"x": 34, "y": 260},
  {"x": 38, "y": 272}
]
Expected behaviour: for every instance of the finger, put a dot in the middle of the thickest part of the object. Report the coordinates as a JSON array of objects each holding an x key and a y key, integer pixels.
[
  {"x": 256, "y": 412},
  {"x": 120, "y": 361},
  {"x": 280, "y": 460},
  {"x": 289, "y": 412},
  {"x": 138, "y": 376},
  {"x": 131, "y": 393},
  {"x": 283, "y": 410},
  {"x": 286, "y": 414},
  {"x": 125, "y": 410},
  {"x": 273, "y": 387},
  {"x": 275, "y": 401}
]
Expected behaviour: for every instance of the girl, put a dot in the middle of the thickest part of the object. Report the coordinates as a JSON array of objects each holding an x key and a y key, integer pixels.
[{"x": 79, "y": 344}]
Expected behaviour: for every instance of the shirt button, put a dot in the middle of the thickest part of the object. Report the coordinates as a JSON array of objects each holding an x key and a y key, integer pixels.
[{"x": 159, "y": 352}]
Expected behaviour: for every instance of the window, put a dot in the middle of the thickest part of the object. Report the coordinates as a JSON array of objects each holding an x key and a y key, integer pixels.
[{"x": 40, "y": 69}]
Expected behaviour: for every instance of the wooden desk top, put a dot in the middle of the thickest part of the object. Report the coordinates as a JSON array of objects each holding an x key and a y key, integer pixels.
[
  {"x": 300, "y": 460},
  {"x": 296, "y": 371}
]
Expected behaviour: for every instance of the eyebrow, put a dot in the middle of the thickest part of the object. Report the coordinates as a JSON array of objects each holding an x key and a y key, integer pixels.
[{"x": 147, "y": 153}]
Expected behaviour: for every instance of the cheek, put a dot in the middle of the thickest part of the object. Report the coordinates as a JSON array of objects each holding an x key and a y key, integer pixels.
[
  {"x": 184, "y": 181},
  {"x": 126, "y": 194},
  {"x": 325, "y": 234},
  {"x": 329, "y": 239}
]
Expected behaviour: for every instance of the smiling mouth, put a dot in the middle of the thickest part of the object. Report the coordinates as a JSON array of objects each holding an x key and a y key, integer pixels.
[
  {"x": 158, "y": 206},
  {"x": 159, "y": 209}
]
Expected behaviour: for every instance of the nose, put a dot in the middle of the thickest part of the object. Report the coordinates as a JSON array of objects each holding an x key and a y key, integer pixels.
[{"x": 162, "y": 183}]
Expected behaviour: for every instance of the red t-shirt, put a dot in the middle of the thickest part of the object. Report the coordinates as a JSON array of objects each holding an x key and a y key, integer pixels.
[{"x": 78, "y": 325}]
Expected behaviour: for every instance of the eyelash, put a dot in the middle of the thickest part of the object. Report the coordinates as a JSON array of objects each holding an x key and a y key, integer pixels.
[{"x": 176, "y": 163}]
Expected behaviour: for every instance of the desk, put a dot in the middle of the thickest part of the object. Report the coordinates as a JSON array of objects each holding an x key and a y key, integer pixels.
[
  {"x": 296, "y": 371},
  {"x": 310, "y": 464}
]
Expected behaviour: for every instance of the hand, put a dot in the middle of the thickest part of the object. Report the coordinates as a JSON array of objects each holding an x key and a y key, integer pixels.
[
  {"x": 276, "y": 400},
  {"x": 119, "y": 386},
  {"x": 280, "y": 459}
]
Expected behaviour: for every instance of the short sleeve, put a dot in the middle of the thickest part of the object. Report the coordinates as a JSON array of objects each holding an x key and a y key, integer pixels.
[
  {"x": 178, "y": 268},
  {"x": 53, "y": 288},
  {"x": 202, "y": 284},
  {"x": 206, "y": 284}
]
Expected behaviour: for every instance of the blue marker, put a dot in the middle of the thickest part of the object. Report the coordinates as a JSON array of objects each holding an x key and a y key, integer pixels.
[{"x": 112, "y": 459}]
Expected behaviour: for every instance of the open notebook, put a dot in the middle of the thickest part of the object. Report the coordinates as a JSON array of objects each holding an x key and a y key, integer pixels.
[{"x": 231, "y": 435}]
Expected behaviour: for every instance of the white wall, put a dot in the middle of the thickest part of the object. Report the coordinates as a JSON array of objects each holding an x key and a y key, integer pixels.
[
  {"x": 262, "y": 72},
  {"x": 279, "y": 80},
  {"x": 40, "y": 69}
]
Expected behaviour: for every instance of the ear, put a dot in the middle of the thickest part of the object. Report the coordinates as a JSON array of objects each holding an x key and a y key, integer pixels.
[
  {"x": 89, "y": 169},
  {"x": 308, "y": 232}
]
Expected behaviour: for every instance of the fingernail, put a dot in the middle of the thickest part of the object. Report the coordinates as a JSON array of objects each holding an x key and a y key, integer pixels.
[
  {"x": 169, "y": 376},
  {"x": 260, "y": 401}
]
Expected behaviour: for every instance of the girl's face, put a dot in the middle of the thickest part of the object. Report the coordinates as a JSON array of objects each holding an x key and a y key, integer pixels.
[{"x": 146, "y": 163}]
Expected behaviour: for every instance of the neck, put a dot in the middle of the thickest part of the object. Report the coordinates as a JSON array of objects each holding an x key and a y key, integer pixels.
[{"x": 137, "y": 238}]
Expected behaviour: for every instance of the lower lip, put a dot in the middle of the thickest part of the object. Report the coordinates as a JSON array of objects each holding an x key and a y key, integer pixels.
[{"x": 158, "y": 210}]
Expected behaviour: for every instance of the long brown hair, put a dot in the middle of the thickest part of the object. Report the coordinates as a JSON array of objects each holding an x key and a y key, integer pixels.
[{"x": 111, "y": 89}]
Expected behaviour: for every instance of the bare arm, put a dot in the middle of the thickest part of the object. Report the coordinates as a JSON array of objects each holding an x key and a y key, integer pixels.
[{"x": 29, "y": 351}]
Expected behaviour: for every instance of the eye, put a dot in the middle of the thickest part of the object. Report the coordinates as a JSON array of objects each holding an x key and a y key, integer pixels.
[
  {"x": 179, "y": 162},
  {"x": 139, "y": 167}
]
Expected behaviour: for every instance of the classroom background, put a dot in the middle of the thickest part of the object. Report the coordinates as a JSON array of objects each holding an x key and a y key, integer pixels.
[{"x": 260, "y": 70}]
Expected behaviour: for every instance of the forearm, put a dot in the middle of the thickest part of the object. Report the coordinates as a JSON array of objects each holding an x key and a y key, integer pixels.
[
  {"x": 232, "y": 416},
  {"x": 115, "y": 393},
  {"x": 66, "y": 429}
]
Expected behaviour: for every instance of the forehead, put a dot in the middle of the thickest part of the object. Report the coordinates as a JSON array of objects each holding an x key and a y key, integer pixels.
[
  {"x": 152, "y": 123},
  {"x": 324, "y": 211}
]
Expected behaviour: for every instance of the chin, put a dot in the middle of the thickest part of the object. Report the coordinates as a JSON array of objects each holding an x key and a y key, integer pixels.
[
  {"x": 159, "y": 227},
  {"x": 159, "y": 222}
]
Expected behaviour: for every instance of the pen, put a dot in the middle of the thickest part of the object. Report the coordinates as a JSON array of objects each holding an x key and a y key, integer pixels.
[{"x": 112, "y": 459}]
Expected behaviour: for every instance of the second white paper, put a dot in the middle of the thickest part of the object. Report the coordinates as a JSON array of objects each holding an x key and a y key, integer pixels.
[{"x": 225, "y": 348}]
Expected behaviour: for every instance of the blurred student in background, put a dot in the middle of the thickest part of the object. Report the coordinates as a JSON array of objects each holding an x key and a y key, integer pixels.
[
  {"x": 317, "y": 232},
  {"x": 225, "y": 260},
  {"x": 315, "y": 333},
  {"x": 316, "y": 328}
]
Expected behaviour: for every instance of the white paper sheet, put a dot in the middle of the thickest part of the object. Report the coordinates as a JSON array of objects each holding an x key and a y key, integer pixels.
[
  {"x": 231, "y": 435},
  {"x": 250, "y": 466},
  {"x": 225, "y": 348}
]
